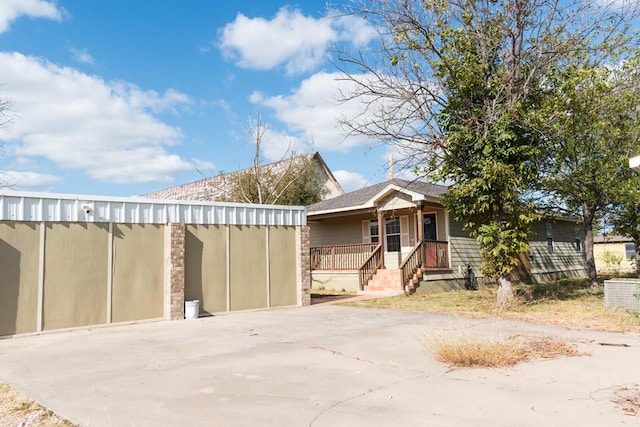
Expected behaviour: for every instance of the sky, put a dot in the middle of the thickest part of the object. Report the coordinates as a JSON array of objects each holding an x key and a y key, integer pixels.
[{"x": 121, "y": 97}]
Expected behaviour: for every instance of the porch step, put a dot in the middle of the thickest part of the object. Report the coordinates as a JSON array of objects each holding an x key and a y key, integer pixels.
[
  {"x": 411, "y": 286},
  {"x": 387, "y": 280}
]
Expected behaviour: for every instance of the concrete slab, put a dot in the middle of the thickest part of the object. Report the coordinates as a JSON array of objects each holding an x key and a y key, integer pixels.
[{"x": 317, "y": 366}]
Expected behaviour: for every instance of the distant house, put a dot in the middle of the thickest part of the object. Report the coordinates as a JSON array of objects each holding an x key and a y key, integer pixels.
[
  {"x": 614, "y": 254},
  {"x": 634, "y": 163},
  {"x": 219, "y": 187},
  {"x": 396, "y": 235}
]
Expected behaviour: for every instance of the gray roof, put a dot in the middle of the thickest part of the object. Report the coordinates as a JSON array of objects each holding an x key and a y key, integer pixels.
[{"x": 360, "y": 197}]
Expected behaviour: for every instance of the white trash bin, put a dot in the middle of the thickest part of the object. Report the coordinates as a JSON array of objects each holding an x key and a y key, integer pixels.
[{"x": 191, "y": 309}]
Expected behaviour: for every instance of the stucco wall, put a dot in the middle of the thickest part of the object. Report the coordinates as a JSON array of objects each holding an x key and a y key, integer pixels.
[
  {"x": 240, "y": 267},
  {"x": 282, "y": 278},
  {"x": 19, "y": 254},
  {"x": 75, "y": 279},
  {"x": 138, "y": 280},
  {"x": 206, "y": 266}
]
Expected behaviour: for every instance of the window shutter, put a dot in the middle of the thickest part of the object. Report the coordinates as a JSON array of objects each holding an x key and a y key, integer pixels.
[
  {"x": 404, "y": 231},
  {"x": 366, "y": 232}
]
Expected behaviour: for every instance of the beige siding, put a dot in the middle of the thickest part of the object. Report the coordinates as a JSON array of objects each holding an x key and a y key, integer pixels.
[
  {"x": 282, "y": 255},
  {"x": 75, "y": 282},
  {"x": 600, "y": 251},
  {"x": 138, "y": 290},
  {"x": 335, "y": 280},
  {"x": 19, "y": 253},
  {"x": 248, "y": 271},
  {"x": 206, "y": 266},
  {"x": 337, "y": 231}
]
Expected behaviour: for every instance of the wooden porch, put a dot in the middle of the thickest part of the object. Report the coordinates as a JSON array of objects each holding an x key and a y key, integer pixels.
[{"x": 368, "y": 259}]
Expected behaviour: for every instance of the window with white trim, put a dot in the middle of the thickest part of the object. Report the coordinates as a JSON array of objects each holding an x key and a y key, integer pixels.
[
  {"x": 392, "y": 232},
  {"x": 629, "y": 250}
]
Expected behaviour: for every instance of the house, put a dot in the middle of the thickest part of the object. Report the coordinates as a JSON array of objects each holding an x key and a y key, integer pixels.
[
  {"x": 614, "y": 254},
  {"x": 634, "y": 163},
  {"x": 395, "y": 235},
  {"x": 219, "y": 187}
]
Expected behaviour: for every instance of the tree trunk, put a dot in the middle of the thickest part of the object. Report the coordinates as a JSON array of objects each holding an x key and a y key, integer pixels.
[
  {"x": 592, "y": 274},
  {"x": 637, "y": 259},
  {"x": 505, "y": 290}
]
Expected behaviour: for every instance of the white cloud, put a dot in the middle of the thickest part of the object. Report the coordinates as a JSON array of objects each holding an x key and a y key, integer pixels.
[
  {"x": 20, "y": 180},
  {"x": 312, "y": 111},
  {"x": 81, "y": 122},
  {"x": 350, "y": 181},
  {"x": 149, "y": 99},
  {"x": 10, "y": 10},
  {"x": 277, "y": 145},
  {"x": 299, "y": 42},
  {"x": 81, "y": 55}
]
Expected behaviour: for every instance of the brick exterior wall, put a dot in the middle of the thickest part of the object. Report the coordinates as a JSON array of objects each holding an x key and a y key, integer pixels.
[
  {"x": 174, "y": 271},
  {"x": 305, "y": 266},
  {"x": 621, "y": 293}
]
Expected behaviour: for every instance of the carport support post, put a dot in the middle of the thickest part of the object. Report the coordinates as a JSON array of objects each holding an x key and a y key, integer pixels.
[{"x": 174, "y": 235}]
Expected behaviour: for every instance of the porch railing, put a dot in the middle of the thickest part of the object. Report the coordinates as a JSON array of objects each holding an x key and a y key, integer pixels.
[
  {"x": 436, "y": 254},
  {"x": 370, "y": 266},
  {"x": 341, "y": 257},
  {"x": 412, "y": 263}
]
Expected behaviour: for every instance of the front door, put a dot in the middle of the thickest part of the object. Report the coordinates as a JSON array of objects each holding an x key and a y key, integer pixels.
[
  {"x": 429, "y": 226},
  {"x": 430, "y": 233}
]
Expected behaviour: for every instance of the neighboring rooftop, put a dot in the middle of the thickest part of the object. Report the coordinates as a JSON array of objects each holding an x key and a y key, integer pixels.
[
  {"x": 608, "y": 238},
  {"x": 218, "y": 187}
]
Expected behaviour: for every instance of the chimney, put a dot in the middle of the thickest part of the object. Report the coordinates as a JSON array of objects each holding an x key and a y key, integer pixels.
[{"x": 391, "y": 166}]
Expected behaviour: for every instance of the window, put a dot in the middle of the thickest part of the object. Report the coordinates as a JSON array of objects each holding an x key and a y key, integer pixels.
[
  {"x": 392, "y": 231},
  {"x": 578, "y": 245},
  {"x": 549, "y": 235},
  {"x": 629, "y": 250},
  {"x": 373, "y": 231}
]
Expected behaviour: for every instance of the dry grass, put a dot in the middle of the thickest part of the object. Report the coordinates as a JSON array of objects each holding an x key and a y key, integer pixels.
[
  {"x": 566, "y": 303},
  {"x": 18, "y": 410},
  {"x": 464, "y": 350}
]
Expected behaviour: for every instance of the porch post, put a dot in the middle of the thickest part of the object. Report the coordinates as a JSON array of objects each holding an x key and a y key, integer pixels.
[
  {"x": 381, "y": 235},
  {"x": 419, "y": 222}
]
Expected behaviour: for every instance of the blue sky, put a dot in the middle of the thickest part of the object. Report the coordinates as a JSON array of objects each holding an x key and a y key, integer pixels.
[{"x": 122, "y": 97}]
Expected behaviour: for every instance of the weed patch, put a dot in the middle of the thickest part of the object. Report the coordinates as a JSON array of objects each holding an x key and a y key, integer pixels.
[{"x": 465, "y": 350}]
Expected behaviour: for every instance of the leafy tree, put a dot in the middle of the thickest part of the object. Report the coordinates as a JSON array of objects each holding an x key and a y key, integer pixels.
[
  {"x": 590, "y": 118},
  {"x": 454, "y": 84},
  {"x": 292, "y": 181}
]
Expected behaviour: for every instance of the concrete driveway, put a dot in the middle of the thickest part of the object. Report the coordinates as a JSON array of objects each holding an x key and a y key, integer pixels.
[{"x": 316, "y": 366}]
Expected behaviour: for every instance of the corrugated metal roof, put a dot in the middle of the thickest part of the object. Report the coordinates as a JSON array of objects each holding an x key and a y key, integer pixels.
[
  {"x": 27, "y": 206},
  {"x": 220, "y": 186}
]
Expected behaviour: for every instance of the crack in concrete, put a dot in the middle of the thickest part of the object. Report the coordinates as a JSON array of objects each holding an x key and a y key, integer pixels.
[
  {"x": 371, "y": 362},
  {"x": 422, "y": 374},
  {"x": 371, "y": 390}
]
